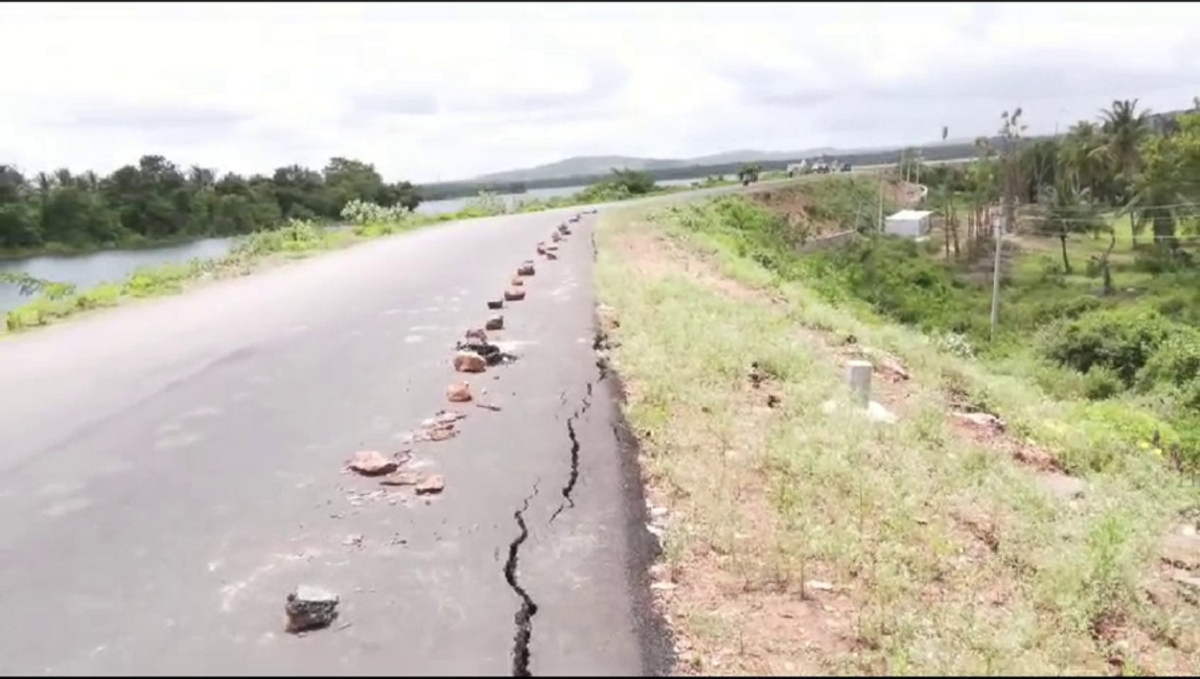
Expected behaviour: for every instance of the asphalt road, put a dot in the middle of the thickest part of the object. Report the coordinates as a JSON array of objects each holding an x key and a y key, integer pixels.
[{"x": 169, "y": 471}]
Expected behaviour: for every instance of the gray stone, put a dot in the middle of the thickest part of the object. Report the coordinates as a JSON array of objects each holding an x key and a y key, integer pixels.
[
  {"x": 310, "y": 608},
  {"x": 1062, "y": 486}
]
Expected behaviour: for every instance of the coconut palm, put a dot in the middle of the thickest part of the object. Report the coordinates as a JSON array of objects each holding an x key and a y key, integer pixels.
[
  {"x": 1081, "y": 154},
  {"x": 1124, "y": 129},
  {"x": 1069, "y": 209}
]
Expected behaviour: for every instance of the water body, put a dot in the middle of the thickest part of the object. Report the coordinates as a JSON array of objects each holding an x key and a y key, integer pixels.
[{"x": 89, "y": 270}]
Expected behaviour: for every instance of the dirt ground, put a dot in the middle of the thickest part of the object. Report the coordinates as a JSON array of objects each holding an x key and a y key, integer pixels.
[
  {"x": 742, "y": 595},
  {"x": 794, "y": 202}
]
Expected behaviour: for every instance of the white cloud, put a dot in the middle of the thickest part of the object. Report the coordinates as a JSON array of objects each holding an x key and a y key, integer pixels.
[{"x": 442, "y": 90}]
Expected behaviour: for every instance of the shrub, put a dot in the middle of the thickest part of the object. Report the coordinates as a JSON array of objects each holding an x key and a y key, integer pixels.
[
  {"x": 1101, "y": 383},
  {"x": 1122, "y": 340}
]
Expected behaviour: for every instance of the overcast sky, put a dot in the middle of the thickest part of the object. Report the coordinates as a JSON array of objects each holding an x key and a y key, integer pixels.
[{"x": 448, "y": 91}]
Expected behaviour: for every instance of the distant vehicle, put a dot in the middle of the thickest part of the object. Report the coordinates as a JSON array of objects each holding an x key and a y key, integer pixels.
[{"x": 845, "y": 167}]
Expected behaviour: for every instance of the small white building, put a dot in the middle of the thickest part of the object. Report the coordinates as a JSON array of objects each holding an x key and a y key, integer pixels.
[{"x": 908, "y": 223}]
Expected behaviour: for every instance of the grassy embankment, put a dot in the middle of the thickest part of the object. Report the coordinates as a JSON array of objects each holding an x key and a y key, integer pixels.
[
  {"x": 803, "y": 542},
  {"x": 296, "y": 240}
]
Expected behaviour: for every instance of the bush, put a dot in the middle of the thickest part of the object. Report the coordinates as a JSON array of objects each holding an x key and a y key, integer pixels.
[
  {"x": 1122, "y": 340},
  {"x": 484, "y": 205},
  {"x": 1101, "y": 383},
  {"x": 1175, "y": 363}
]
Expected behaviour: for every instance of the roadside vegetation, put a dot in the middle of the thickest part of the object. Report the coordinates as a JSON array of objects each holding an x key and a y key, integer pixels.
[
  {"x": 1034, "y": 507},
  {"x": 295, "y": 239},
  {"x": 155, "y": 202}
]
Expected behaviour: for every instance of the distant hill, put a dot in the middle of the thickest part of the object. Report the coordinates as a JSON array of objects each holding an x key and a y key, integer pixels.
[
  {"x": 579, "y": 166},
  {"x": 584, "y": 170},
  {"x": 591, "y": 166}
]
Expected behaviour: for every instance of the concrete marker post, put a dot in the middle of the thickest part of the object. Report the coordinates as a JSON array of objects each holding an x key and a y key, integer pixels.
[{"x": 858, "y": 376}]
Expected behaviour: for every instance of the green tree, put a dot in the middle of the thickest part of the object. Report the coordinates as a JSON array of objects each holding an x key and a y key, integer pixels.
[{"x": 1068, "y": 210}]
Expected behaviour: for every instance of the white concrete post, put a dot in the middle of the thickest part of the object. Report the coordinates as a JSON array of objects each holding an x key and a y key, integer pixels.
[{"x": 858, "y": 376}]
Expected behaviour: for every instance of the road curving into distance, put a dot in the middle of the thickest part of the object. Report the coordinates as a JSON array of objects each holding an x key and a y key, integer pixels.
[{"x": 171, "y": 470}]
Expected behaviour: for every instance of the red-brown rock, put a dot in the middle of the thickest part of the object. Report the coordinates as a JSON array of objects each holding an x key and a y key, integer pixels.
[
  {"x": 469, "y": 362},
  {"x": 526, "y": 269},
  {"x": 430, "y": 485},
  {"x": 459, "y": 392},
  {"x": 372, "y": 463},
  {"x": 513, "y": 295},
  {"x": 401, "y": 479},
  {"x": 495, "y": 323}
]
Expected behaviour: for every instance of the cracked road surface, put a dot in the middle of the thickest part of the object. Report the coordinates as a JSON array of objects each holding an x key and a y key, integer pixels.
[{"x": 170, "y": 470}]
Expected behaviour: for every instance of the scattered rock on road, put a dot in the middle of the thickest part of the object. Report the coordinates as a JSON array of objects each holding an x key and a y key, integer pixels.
[
  {"x": 310, "y": 608},
  {"x": 459, "y": 392},
  {"x": 526, "y": 269},
  {"x": 477, "y": 344},
  {"x": 551, "y": 255},
  {"x": 443, "y": 417},
  {"x": 372, "y": 463},
  {"x": 430, "y": 485},
  {"x": 495, "y": 323},
  {"x": 469, "y": 362},
  {"x": 495, "y": 304},
  {"x": 401, "y": 479},
  {"x": 514, "y": 295},
  {"x": 556, "y": 237},
  {"x": 517, "y": 282}
]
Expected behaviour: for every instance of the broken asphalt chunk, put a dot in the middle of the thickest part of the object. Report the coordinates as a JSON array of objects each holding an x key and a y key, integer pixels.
[
  {"x": 310, "y": 608},
  {"x": 430, "y": 485},
  {"x": 526, "y": 269},
  {"x": 514, "y": 294},
  {"x": 469, "y": 362},
  {"x": 517, "y": 282},
  {"x": 446, "y": 417},
  {"x": 495, "y": 303},
  {"x": 556, "y": 236},
  {"x": 459, "y": 392},
  {"x": 401, "y": 479},
  {"x": 494, "y": 323},
  {"x": 372, "y": 463}
]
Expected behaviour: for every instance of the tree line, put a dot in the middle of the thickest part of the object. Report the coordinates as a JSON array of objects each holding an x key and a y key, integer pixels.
[
  {"x": 1126, "y": 163},
  {"x": 155, "y": 200}
]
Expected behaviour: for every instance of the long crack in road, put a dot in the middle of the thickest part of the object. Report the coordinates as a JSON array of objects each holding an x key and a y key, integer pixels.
[{"x": 165, "y": 536}]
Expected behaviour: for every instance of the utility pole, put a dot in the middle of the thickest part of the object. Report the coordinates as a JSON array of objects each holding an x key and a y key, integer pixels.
[
  {"x": 1010, "y": 132},
  {"x": 881, "y": 182}
]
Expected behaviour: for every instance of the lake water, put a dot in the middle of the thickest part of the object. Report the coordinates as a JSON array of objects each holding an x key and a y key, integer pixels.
[{"x": 89, "y": 270}]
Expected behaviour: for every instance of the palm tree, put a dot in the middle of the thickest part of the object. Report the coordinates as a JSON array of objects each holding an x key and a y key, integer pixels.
[
  {"x": 1081, "y": 154},
  {"x": 1068, "y": 210},
  {"x": 1156, "y": 188},
  {"x": 1124, "y": 128}
]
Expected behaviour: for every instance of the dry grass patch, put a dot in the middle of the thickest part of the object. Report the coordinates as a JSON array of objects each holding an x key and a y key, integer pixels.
[{"x": 801, "y": 542}]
